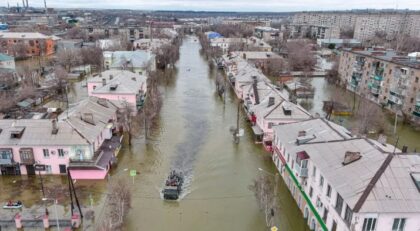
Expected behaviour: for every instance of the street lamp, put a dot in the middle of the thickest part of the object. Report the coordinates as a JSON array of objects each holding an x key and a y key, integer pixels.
[{"x": 55, "y": 210}]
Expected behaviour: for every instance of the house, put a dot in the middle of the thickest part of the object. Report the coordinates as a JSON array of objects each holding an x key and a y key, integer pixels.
[
  {"x": 26, "y": 44},
  {"x": 261, "y": 59},
  {"x": 268, "y": 33},
  {"x": 135, "y": 61},
  {"x": 246, "y": 74},
  {"x": 82, "y": 140},
  {"x": 273, "y": 110},
  {"x": 150, "y": 44},
  {"x": 228, "y": 44},
  {"x": 121, "y": 86},
  {"x": 341, "y": 182},
  {"x": 7, "y": 62},
  {"x": 69, "y": 44}
]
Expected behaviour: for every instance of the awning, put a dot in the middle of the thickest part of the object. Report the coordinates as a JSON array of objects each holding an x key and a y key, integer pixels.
[{"x": 257, "y": 130}]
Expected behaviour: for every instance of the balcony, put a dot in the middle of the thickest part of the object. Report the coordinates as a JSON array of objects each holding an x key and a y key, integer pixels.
[
  {"x": 374, "y": 91},
  {"x": 395, "y": 100},
  {"x": 6, "y": 157},
  {"x": 106, "y": 154},
  {"x": 301, "y": 165}
]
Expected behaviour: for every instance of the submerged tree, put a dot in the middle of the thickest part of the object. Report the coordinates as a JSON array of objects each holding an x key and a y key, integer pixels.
[{"x": 265, "y": 192}]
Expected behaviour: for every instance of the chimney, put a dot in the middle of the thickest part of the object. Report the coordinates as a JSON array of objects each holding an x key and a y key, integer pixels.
[
  {"x": 103, "y": 81},
  {"x": 270, "y": 101},
  {"x": 54, "y": 130}
]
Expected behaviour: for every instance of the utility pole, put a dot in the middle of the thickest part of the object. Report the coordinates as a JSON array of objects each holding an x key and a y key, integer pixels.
[{"x": 236, "y": 134}]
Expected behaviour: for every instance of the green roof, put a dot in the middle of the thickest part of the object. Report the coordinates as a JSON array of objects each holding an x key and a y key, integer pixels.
[{"x": 4, "y": 57}]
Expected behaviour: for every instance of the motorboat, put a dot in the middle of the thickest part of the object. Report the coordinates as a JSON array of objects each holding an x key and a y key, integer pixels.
[
  {"x": 173, "y": 186},
  {"x": 13, "y": 205}
]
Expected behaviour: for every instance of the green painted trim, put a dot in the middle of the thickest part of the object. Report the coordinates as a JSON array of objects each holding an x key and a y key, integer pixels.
[{"x": 308, "y": 201}]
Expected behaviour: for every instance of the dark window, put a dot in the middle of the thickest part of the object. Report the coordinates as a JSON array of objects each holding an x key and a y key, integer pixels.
[
  {"x": 311, "y": 191},
  {"x": 348, "y": 215},
  {"x": 334, "y": 226},
  {"x": 325, "y": 215},
  {"x": 339, "y": 204},
  {"x": 60, "y": 152},
  {"x": 417, "y": 80},
  {"x": 62, "y": 168},
  {"x": 399, "y": 224},
  {"x": 369, "y": 224},
  {"x": 328, "y": 191},
  {"x": 46, "y": 153}
]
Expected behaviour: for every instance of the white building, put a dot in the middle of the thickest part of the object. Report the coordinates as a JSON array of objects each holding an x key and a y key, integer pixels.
[
  {"x": 347, "y": 183},
  {"x": 135, "y": 61}
]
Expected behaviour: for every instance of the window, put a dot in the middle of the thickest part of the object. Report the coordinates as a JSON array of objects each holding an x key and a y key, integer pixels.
[
  {"x": 48, "y": 169},
  {"x": 46, "y": 153},
  {"x": 334, "y": 226},
  {"x": 329, "y": 191},
  {"x": 6, "y": 154},
  {"x": 348, "y": 216},
  {"x": 321, "y": 181},
  {"x": 311, "y": 191},
  {"x": 325, "y": 215},
  {"x": 314, "y": 171},
  {"x": 399, "y": 224},
  {"x": 60, "y": 152},
  {"x": 369, "y": 224},
  {"x": 339, "y": 204}
]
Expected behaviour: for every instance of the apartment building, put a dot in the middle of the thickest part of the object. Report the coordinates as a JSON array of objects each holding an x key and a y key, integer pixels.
[
  {"x": 385, "y": 77},
  {"x": 365, "y": 24},
  {"x": 132, "y": 33},
  {"x": 315, "y": 31},
  {"x": 392, "y": 23},
  {"x": 343, "y": 183},
  {"x": 26, "y": 44}
]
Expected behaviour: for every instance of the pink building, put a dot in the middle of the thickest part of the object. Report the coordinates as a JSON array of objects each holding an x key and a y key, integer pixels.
[
  {"x": 82, "y": 140},
  {"x": 121, "y": 86}
]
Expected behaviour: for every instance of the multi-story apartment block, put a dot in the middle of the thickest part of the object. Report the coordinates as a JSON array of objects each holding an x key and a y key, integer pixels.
[
  {"x": 365, "y": 24},
  {"x": 343, "y": 183},
  {"x": 384, "y": 77},
  {"x": 393, "y": 24},
  {"x": 22, "y": 45},
  {"x": 132, "y": 33},
  {"x": 314, "y": 31}
]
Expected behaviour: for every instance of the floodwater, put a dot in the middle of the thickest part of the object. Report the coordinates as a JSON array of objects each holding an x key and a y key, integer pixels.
[
  {"x": 407, "y": 134},
  {"x": 194, "y": 138}
]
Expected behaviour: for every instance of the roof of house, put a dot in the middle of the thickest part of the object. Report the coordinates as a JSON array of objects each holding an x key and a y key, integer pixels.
[
  {"x": 278, "y": 109},
  {"x": 126, "y": 82},
  {"x": 38, "y": 132},
  {"x": 138, "y": 58},
  {"x": 388, "y": 56},
  {"x": 4, "y": 57},
  {"x": 90, "y": 116},
  {"x": 327, "y": 144},
  {"x": 23, "y": 35},
  {"x": 257, "y": 55}
]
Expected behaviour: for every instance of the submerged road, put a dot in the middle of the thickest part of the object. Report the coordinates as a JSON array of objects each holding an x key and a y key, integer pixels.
[{"x": 194, "y": 138}]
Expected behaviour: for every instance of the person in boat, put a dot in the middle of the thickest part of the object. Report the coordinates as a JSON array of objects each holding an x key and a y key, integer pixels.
[
  {"x": 18, "y": 203},
  {"x": 9, "y": 203}
]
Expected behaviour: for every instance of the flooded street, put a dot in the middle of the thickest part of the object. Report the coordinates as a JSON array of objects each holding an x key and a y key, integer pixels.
[{"x": 195, "y": 139}]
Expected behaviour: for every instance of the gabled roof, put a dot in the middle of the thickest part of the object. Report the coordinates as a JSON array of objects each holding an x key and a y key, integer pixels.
[{"x": 89, "y": 117}]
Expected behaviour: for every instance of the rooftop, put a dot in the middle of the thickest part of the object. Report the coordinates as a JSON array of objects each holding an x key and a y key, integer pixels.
[
  {"x": 23, "y": 35},
  {"x": 130, "y": 58},
  {"x": 121, "y": 82},
  {"x": 388, "y": 56}
]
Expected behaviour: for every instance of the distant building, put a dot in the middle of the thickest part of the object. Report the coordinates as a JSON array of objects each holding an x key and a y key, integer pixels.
[
  {"x": 268, "y": 33},
  {"x": 383, "y": 76},
  {"x": 260, "y": 59},
  {"x": 121, "y": 86},
  {"x": 338, "y": 43},
  {"x": 341, "y": 182},
  {"x": 150, "y": 44},
  {"x": 213, "y": 35},
  {"x": 7, "y": 62},
  {"x": 26, "y": 44},
  {"x": 135, "y": 61},
  {"x": 69, "y": 44},
  {"x": 314, "y": 31}
]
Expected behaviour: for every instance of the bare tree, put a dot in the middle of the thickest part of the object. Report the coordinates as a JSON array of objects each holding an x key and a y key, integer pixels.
[
  {"x": 265, "y": 192},
  {"x": 407, "y": 44},
  {"x": 153, "y": 102},
  {"x": 118, "y": 204},
  {"x": 61, "y": 76},
  {"x": 332, "y": 74},
  {"x": 167, "y": 55},
  {"x": 300, "y": 56},
  {"x": 92, "y": 56},
  {"x": 369, "y": 117},
  {"x": 69, "y": 58},
  {"x": 76, "y": 33},
  {"x": 275, "y": 67},
  {"x": 346, "y": 32},
  {"x": 129, "y": 120}
]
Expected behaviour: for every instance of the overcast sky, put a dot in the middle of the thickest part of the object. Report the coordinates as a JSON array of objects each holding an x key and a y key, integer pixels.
[{"x": 227, "y": 5}]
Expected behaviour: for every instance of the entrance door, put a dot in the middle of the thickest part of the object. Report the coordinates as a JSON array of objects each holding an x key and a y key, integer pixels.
[
  {"x": 63, "y": 169},
  {"x": 30, "y": 170}
]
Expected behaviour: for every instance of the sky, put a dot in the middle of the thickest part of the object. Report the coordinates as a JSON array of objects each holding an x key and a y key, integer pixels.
[{"x": 227, "y": 5}]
